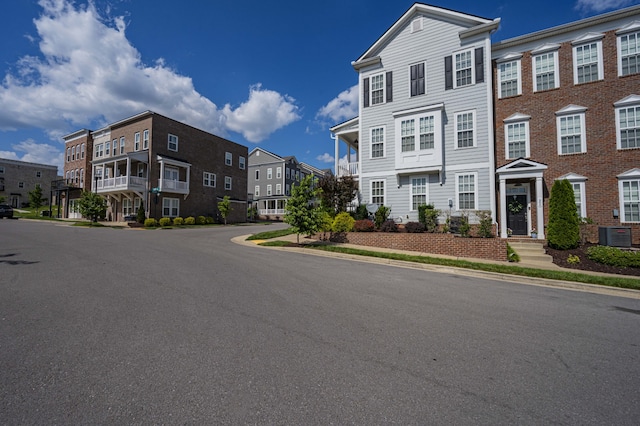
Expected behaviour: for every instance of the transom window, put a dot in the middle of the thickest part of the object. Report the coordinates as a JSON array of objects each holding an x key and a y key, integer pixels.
[
  {"x": 377, "y": 89},
  {"x": 418, "y": 192},
  {"x": 571, "y": 134},
  {"x": 631, "y": 200},
  {"x": 209, "y": 179},
  {"x": 509, "y": 75},
  {"x": 463, "y": 68},
  {"x": 466, "y": 191},
  {"x": 628, "y": 127},
  {"x": 545, "y": 71},
  {"x": 629, "y": 54},
  {"x": 407, "y": 134},
  {"x": 587, "y": 63},
  {"x": 173, "y": 143},
  {"x": 377, "y": 192},
  {"x": 465, "y": 129},
  {"x": 377, "y": 142},
  {"x": 517, "y": 138}
]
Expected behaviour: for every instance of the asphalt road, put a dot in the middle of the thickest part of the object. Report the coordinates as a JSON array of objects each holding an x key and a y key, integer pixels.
[{"x": 107, "y": 326}]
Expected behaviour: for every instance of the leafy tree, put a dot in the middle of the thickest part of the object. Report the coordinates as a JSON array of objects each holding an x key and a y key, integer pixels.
[
  {"x": 92, "y": 205},
  {"x": 299, "y": 213},
  {"x": 428, "y": 216},
  {"x": 224, "y": 207},
  {"x": 140, "y": 216},
  {"x": 337, "y": 193},
  {"x": 35, "y": 199},
  {"x": 563, "y": 230}
]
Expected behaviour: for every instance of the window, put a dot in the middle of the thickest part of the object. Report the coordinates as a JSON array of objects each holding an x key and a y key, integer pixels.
[
  {"x": 545, "y": 73},
  {"x": 418, "y": 192},
  {"x": 241, "y": 162},
  {"x": 517, "y": 140},
  {"x": 465, "y": 129},
  {"x": 377, "y": 89},
  {"x": 256, "y": 191},
  {"x": 136, "y": 204},
  {"x": 630, "y": 191},
  {"x": 228, "y": 158},
  {"x": 377, "y": 192},
  {"x": 278, "y": 189},
  {"x": 1, "y": 169},
  {"x": 628, "y": 127},
  {"x": 571, "y": 131},
  {"x": 141, "y": 172},
  {"x": 126, "y": 207},
  {"x": 107, "y": 149},
  {"x": 377, "y": 142},
  {"x": 136, "y": 141},
  {"x": 427, "y": 132},
  {"x": 38, "y": 174},
  {"x": 269, "y": 173},
  {"x": 269, "y": 190},
  {"x": 629, "y": 54},
  {"x": 68, "y": 155},
  {"x": 407, "y": 135},
  {"x": 227, "y": 183},
  {"x": 466, "y": 194},
  {"x": 99, "y": 150},
  {"x": 257, "y": 174},
  {"x": 145, "y": 139},
  {"x": 173, "y": 143},
  {"x": 171, "y": 173},
  {"x": 279, "y": 173},
  {"x": 287, "y": 189},
  {"x": 121, "y": 146},
  {"x": 578, "y": 193},
  {"x": 81, "y": 176},
  {"x": 170, "y": 207},
  {"x": 82, "y": 150},
  {"x": 209, "y": 179},
  {"x": 509, "y": 79},
  {"x": 21, "y": 184},
  {"x": 73, "y": 153},
  {"x": 463, "y": 69},
  {"x": 416, "y": 75},
  {"x": 587, "y": 62}
]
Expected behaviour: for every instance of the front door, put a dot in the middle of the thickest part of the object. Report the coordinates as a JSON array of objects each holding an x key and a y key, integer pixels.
[{"x": 517, "y": 214}]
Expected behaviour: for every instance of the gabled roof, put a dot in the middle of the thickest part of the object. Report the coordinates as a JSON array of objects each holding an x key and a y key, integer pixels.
[
  {"x": 275, "y": 156},
  {"x": 522, "y": 166},
  {"x": 463, "y": 19}
]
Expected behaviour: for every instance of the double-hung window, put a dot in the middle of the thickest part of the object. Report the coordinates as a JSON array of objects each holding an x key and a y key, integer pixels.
[
  {"x": 228, "y": 158},
  {"x": 463, "y": 68},
  {"x": 417, "y": 79},
  {"x": 256, "y": 191},
  {"x": 69, "y": 154},
  {"x": 279, "y": 173},
  {"x": 628, "y": 122},
  {"x": 170, "y": 207},
  {"x": 269, "y": 173},
  {"x": 82, "y": 148},
  {"x": 629, "y": 52},
  {"x": 269, "y": 190},
  {"x": 570, "y": 123},
  {"x": 107, "y": 149},
  {"x": 377, "y": 142},
  {"x": 73, "y": 153},
  {"x": 578, "y": 193},
  {"x": 465, "y": 129},
  {"x": 278, "y": 189},
  {"x": 408, "y": 135},
  {"x": 509, "y": 79},
  {"x": 466, "y": 191},
  {"x": 588, "y": 62},
  {"x": 121, "y": 146},
  {"x": 630, "y": 199},
  {"x": 227, "y": 183},
  {"x": 136, "y": 141},
  {"x": 377, "y": 89},
  {"x": 377, "y": 192},
  {"x": 241, "y": 162},
  {"x": 545, "y": 71},
  {"x": 516, "y": 135},
  {"x": 145, "y": 139},
  {"x": 99, "y": 150},
  {"x": 209, "y": 179},
  {"x": 172, "y": 143},
  {"x": 418, "y": 192}
]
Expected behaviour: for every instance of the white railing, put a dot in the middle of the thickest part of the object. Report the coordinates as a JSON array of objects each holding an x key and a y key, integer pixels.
[
  {"x": 178, "y": 186},
  {"x": 120, "y": 182},
  {"x": 348, "y": 169},
  {"x": 271, "y": 211}
]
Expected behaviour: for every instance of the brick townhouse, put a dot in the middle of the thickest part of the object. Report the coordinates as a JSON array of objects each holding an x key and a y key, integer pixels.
[
  {"x": 164, "y": 166},
  {"x": 567, "y": 106}
]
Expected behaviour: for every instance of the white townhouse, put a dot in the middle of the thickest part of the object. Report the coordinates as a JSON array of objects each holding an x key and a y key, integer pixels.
[{"x": 424, "y": 133}]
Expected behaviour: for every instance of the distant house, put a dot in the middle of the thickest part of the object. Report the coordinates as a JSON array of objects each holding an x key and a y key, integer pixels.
[
  {"x": 271, "y": 178},
  {"x": 153, "y": 162},
  {"x": 424, "y": 133},
  {"x": 567, "y": 106},
  {"x": 18, "y": 178}
]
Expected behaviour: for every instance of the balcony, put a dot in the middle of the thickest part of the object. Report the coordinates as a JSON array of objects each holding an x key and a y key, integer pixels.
[
  {"x": 174, "y": 186},
  {"x": 120, "y": 183},
  {"x": 348, "y": 169}
]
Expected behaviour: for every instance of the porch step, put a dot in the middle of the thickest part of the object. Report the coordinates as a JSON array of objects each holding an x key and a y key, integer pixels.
[{"x": 532, "y": 254}]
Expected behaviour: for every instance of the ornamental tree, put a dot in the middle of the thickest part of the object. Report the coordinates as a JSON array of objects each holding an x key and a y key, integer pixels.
[
  {"x": 563, "y": 230},
  {"x": 92, "y": 205},
  {"x": 299, "y": 212},
  {"x": 224, "y": 207}
]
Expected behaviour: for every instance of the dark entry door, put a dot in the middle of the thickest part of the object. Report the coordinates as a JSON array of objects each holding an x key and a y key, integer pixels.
[{"x": 517, "y": 214}]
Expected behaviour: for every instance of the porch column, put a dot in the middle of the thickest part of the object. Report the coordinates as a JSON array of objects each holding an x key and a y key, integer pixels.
[
  {"x": 540, "y": 208},
  {"x": 161, "y": 175},
  {"x": 188, "y": 175},
  {"x": 503, "y": 207},
  {"x": 128, "y": 169},
  {"x": 336, "y": 153}
]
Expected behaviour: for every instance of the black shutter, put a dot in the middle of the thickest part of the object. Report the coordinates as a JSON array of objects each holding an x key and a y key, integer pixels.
[
  {"x": 448, "y": 73},
  {"x": 414, "y": 80},
  {"x": 389, "y": 84},
  {"x": 421, "y": 85},
  {"x": 365, "y": 85},
  {"x": 479, "y": 65}
]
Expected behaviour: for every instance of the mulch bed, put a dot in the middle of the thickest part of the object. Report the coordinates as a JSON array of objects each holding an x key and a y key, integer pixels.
[{"x": 586, "y": 264}]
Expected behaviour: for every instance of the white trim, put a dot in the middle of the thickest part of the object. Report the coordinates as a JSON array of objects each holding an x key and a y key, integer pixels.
[
  {"x": 384, "y": 191},
  {"x": 455, "y": 69},
  {"x": 171, "y": 207},
  {"x": 384, "y": 142},
  {"x": 556, "y": 69},
  {"x": 626, "y": 106},
  {"x": 169, "y": 143},
  {"x": 411, "y": 194},
  {"x": 384, "y": 88},
  {"x": 566, "y": 113},
  {"x": 474, "y": 129},
  {"x": 229, "y": 180},
  {"x": 518, "y": 65},
  {"x": 600, "y": 58},
  {"x": 475, "y": 190},
  {"x": 633, "y": 27},
  {"x": 424, "y": 63},
  {"x": 526, "y": 138},
  {"x": 228, "y": 158},
  {"x": 627, "y": 179}
]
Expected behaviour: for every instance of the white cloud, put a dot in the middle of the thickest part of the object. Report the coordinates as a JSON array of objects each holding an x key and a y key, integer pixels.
[
  {"x": 35, "y": 153},
  {"x": 342, "y": 107},
  {"x": 600, "y": 5},
  {"x": 265, "y": 112},
  {"x": 88, "y": 72},
  {"x": 325, "y": 158}
]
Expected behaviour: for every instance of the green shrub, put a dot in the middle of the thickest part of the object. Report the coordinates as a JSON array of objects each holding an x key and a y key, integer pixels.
[
  {"x": 573, "y": 259},
  {"x": 343, "y": 222},
  {"x": 614, "y": 256},
  {"x": 165, "y": 221},
  {"x": 381, "y": 215},
  {"x": 512, "y": 256},
  {"x": 389, "y": 226},
  {"x": 177, "y": 221},
  {"x": 150, "y": 223},
  {"x": 190, "y": 220},
  {"x": 563, "y": 230},
  {"x": 210, "y": 220},
  {"x": 428, "y": 216},
  {"x": 201, "y": 220},
  {"x": 414, "y": 227},
  {"x": 361, "y": 212},
  {"x": 363, "y": 225},
  {"x": 140, "y": 215},
  {"x": 485, "y": 229},
  {"x": 464, "y": 229}
]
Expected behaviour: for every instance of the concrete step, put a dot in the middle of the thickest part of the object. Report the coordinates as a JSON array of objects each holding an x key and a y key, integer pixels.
[{"x": 531, "y": 253}]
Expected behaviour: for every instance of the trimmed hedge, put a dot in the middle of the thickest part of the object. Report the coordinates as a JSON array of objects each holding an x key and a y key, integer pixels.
[
  {"x": 414, "y": 227},
  {"x": 389, "y": 226},
  {"x": 614, "y": 256}
]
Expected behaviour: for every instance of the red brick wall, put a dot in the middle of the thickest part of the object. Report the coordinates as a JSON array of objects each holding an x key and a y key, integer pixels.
[{"x": 445, "y": 244}]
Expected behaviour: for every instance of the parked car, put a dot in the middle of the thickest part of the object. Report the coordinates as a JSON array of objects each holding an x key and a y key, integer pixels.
[{"x": 6, "y": 211}]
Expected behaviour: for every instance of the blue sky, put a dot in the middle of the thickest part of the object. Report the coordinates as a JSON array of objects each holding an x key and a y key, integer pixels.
[{"x": 275, "y": 74}]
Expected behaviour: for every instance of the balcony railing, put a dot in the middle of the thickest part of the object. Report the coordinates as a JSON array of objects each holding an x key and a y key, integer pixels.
[
  {"x": 348, "y": 169},
  {"x": 176, "y": 186},
  {"x": 271, "y": 211},
  {"x": 120, "y": 183}
]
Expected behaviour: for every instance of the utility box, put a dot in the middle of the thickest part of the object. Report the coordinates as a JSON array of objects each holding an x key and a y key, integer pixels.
[{"x": 615, "y": 236}]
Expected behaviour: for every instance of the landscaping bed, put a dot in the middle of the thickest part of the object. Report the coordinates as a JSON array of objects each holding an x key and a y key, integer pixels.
[{"x": 560, "y": 258}]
